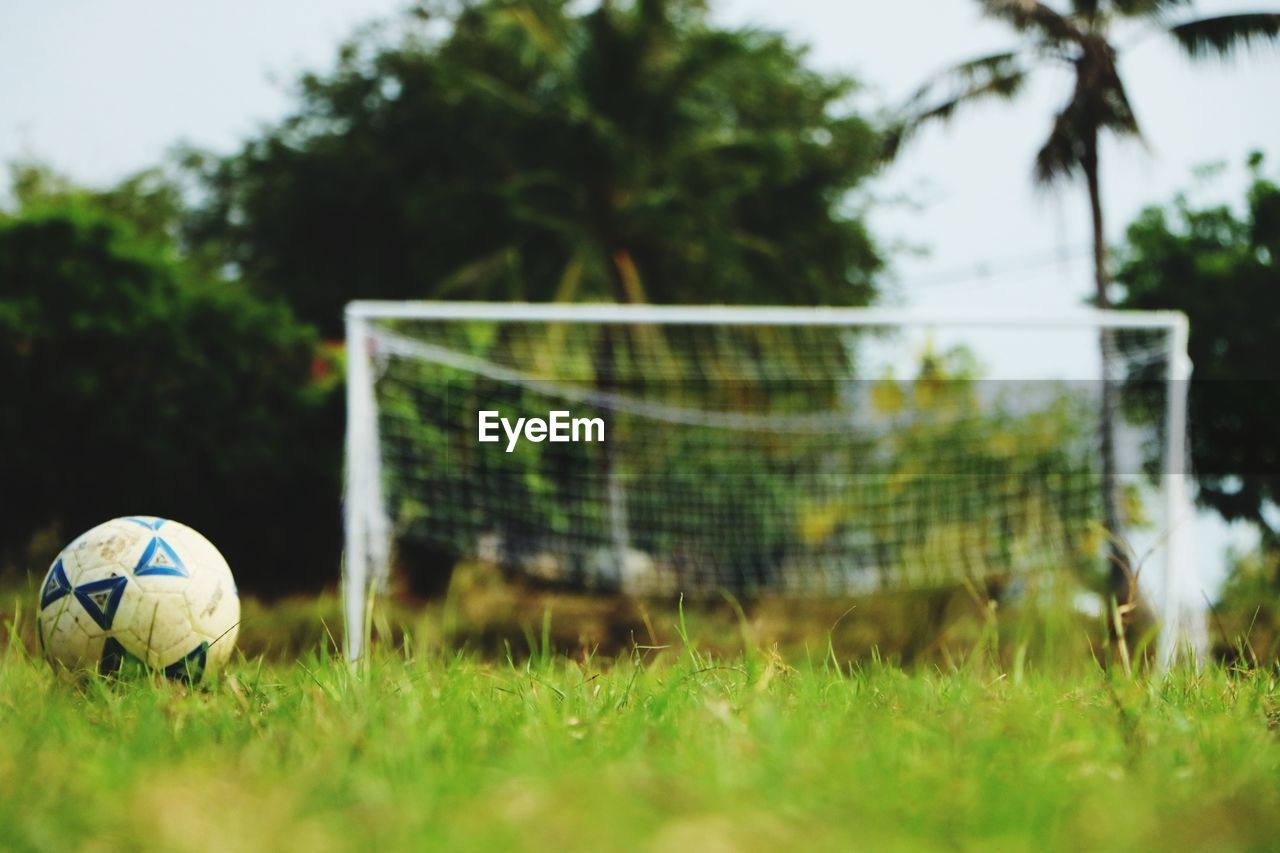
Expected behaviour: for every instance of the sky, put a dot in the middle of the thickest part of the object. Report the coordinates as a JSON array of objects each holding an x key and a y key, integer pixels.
[{"x": 100, "y": 89}]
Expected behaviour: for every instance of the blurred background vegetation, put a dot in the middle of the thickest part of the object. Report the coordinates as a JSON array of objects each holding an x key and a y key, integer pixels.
[
  {"x": 172, "y": 344},
  {"x": 178, "y": 334}
]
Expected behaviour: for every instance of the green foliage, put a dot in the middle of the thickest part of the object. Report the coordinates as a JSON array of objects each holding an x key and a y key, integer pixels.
[
  {"x": 133, "y": 385},
  {"x": 993, "y": 488},
  {"x": 154, "y": 203},
  {"x": 1220, "y": 267},
  {"x": 682, "y": 752},
  {"x": 532, "y": 151}
]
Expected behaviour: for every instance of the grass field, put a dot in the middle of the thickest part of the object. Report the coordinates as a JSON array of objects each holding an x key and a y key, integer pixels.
[{"x": 662, "y": 749}]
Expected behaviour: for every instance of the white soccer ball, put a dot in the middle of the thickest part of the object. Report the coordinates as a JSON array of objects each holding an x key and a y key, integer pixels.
[{"x": 140, "y": 590}]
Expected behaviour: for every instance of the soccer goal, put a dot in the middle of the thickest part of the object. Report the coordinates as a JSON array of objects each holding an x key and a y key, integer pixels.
[{"x": 664, "y": 451}]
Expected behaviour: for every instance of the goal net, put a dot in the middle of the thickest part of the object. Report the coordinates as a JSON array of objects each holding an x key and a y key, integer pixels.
[{"x": 657, "y": 451}]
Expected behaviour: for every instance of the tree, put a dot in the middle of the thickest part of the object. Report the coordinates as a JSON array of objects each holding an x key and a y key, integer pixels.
[
  {"x": 133, "y": 386},
  {"x": 154, "y": 204},
  {"x": 1080, "y": 37},
  {"x": 630, "y": 153},
  {"x": 1223, "y": 270}
]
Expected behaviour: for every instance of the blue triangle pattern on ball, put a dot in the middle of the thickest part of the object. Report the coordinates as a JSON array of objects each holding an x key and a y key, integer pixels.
[
  {"x": 190, "y": 668},
  {"x": 147, "y": 521},
  {"x": 55, "y": 586},
  {"x": 101, "y": 599},
  {"x": 114, "y": 658},
  {"x": 160, "y": 559}
]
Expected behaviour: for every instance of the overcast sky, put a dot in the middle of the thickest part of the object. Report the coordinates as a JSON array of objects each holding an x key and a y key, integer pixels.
[{"x": 100, "y": 88}]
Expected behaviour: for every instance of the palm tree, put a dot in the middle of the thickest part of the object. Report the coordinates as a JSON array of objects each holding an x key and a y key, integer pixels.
[{"x": 1080, "y": 38}]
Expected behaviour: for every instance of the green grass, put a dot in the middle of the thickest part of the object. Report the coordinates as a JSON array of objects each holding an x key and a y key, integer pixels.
[{"x": 661, "y": 750}]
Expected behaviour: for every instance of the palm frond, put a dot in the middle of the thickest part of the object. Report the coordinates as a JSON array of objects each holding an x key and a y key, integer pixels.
[
  {"x": 1033, "y": 17},
  {"x": 1060, "y": 156},
  {"x": 1100, "y": 98},
  {"x": 1117, "y": 115},
  {"x": 1000, "y": 75},
  {"x": 1085, "y": 8},
  {"x": 1146, "y": 8},
  {"x": 711, "y": 51},
  {"x": 1223, "y": 34},
  {"x": 1099, "y": 103}
]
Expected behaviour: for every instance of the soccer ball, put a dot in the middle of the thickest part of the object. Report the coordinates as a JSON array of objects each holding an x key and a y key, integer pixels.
[{"x": 139, "y": 591}]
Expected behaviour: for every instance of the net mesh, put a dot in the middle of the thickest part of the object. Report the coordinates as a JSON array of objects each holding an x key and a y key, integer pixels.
[{"x": 799, "y": 459}]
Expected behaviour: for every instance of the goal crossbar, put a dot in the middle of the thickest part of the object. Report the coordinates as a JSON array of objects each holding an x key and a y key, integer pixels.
[{"x": 754, "y": 315}]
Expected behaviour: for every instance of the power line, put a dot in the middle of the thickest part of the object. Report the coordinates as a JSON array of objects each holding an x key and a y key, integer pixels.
[{"x": 980, "y": 270}]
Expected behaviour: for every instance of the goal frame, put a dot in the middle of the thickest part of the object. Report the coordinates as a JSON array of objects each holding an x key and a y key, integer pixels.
[{"x": 367, "y": 529}]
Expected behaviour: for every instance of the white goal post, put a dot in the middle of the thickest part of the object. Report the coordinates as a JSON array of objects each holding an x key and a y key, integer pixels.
[{"x": 777, "y": 450}]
